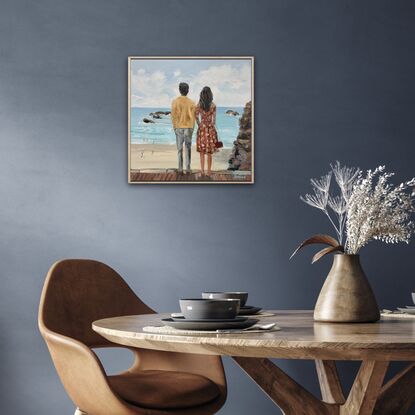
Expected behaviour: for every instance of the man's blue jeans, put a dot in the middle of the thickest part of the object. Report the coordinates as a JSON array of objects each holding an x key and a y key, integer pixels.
[{"x": 184, "y": 136}]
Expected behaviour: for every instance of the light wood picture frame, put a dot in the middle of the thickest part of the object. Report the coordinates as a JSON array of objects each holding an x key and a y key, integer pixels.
[{"x": 163, "y": 148}]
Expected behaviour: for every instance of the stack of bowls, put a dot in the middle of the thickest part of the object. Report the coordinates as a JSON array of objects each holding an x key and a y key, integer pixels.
[
  {"x": 209, "y": 309},
  {"x": 215, "y": 311}
]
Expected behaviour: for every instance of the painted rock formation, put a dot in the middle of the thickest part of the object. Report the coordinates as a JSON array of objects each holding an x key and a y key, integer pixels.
[
  {"x": 241, "y": 156},
  {"x": 158, "y": 114},
  {"x": 232, "y": 113}
]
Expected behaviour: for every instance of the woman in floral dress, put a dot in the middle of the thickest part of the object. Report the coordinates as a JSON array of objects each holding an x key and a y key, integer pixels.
[{"x": 207, "y": 136}]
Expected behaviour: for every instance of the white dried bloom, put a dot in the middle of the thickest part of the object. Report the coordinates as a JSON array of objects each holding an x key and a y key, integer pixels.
[
  {"x": 337, "y": 204},
  {"x": 318, "y": 200},
  {"x": 321, "y": 188},
  {"x": 380, "y": 211},
  {"x": 366, "y": 209},
  {"x": 322, "y": 184},
  {"x": 321, "y": 198},
  {"x": 345, "y": 178}
]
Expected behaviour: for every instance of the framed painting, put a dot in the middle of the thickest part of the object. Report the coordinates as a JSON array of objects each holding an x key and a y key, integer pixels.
[{"x": 191, "y": 120}]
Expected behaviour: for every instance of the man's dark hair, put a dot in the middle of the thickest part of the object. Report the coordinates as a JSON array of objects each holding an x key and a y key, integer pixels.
[{"x": 184, "y": 88}]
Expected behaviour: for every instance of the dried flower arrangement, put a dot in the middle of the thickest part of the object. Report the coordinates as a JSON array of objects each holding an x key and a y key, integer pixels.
[{"x": 366, "y": 208}]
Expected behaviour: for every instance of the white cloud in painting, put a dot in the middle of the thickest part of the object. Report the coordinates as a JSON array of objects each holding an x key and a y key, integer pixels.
[
  {"x": 149, "y": 89},
  {"x": 230, "y": 84}
]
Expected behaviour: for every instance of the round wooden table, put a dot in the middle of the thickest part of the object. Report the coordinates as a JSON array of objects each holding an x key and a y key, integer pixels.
[{"x": 391, "y": 339}]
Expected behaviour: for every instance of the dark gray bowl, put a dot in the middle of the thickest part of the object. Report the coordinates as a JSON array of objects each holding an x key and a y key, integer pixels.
[
  {"x": 239, "y": 295},
  {"x": 199, "y": 309}
]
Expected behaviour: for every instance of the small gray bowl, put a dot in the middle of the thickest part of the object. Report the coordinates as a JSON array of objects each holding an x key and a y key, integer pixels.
[
  {"x": 201, "y": 309},
  {"x": 239, "y": 295}
]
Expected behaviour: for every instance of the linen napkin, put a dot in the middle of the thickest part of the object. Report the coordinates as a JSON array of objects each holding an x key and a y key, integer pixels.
[
  {"x": 395, "y": 314},
  {"x": 256, "y": 328}
]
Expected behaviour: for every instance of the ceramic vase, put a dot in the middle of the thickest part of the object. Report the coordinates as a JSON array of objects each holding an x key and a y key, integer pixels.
[{"x": 346, "y": 296}]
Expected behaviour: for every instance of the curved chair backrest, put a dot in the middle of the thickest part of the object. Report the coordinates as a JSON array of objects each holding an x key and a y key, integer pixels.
[{"x": 80, "y": 291}]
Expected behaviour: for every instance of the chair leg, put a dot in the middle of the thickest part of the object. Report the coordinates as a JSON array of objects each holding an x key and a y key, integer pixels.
[{"x": 79, "y": 412}]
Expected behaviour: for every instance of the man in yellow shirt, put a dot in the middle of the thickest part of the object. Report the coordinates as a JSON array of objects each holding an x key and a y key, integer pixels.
[{"x": 183, "y": 119}]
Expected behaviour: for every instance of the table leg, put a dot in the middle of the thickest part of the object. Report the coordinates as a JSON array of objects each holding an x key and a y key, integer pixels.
[
  {"x": 292, "y": 398},
  {"x": 398, "y": 395},
  {"x": 366, "y": 397},
  {"x": 365, "y": 390},
  {"x": 331, "y": 388}
]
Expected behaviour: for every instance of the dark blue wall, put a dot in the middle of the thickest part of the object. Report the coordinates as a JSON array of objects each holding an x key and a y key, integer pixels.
[{"x": 334, "y": 80}]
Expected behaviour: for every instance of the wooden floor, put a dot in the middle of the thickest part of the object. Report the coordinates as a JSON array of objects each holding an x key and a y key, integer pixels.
[{"x": 138, "y": 176}]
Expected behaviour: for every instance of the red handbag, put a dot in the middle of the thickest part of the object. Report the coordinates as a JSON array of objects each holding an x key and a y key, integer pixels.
[{"x": 219, "y": 144}]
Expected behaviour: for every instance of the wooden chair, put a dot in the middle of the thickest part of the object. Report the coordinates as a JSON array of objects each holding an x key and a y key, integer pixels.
[{"x": 79, "y": 291}]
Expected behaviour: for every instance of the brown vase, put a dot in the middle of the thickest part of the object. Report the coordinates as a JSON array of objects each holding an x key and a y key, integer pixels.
[{"x": 346, "y": 296}]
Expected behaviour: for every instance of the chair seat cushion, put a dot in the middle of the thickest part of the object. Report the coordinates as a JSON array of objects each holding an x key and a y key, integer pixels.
[{"x": 159, "y": 389}]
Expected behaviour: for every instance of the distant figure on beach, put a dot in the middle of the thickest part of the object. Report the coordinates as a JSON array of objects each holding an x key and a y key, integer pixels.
[
  {"x": 183, "y": 119},
  {"x": 207, "y": 136}
]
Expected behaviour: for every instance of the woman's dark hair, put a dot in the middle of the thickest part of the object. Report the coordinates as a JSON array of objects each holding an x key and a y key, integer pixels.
[{"x": 206, "y": 98}]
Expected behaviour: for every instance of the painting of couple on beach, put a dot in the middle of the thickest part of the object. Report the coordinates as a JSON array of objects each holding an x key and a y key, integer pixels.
[{"x": 190, "y": 120}]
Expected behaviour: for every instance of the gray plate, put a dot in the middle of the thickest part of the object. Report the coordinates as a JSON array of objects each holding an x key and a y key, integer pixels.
[
  {"x": 186, "y": 325},
  {"x": 249, "y": 310},
  {"x": 213, "y": 320},
  {"x": 407, "y": 310}
]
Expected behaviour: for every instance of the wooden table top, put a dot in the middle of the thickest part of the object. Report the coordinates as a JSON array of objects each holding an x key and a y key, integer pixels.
[{"x": 300, "y": 338}]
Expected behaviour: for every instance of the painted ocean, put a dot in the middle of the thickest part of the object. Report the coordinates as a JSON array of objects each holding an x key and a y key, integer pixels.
[{"x": 161, "y": 132}]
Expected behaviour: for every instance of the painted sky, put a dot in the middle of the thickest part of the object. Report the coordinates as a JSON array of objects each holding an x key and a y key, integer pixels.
[{"x": 154, "y": 82}]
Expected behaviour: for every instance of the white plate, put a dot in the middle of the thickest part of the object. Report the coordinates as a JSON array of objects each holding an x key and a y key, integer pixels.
[
  {"x": 407, "y": 310},
  {"x": 211, "y": 320},
  {"x": 185, "y": 325}
]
